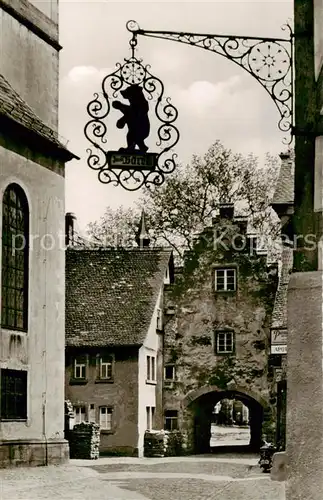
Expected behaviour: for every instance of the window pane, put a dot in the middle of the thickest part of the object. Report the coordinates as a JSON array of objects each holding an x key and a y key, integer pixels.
[
  {"x": 79, "y": 414},
  {"x": 219, "y": 274},
  {"x": 169, "y": 372},
  {"x": 105, "y": 369},
  {"x": 225, "y": 279},
  {"x": 105, "y": 418},
  {"x": 15, "y": 221},
  {"x": 229, "y": 341},
  {"x": 153, "y": 374},
  {"x": 171, "y": 420},
  {"x": 224, "y": 342},
  {"x": 13, "y": 394},
  {"x": 79, "y": 368},
  {"x": 148, "y": 367}
]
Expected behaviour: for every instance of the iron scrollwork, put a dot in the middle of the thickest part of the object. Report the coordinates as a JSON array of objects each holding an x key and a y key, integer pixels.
[
  {"x": 132, "y": 166},
  {"x": 269, "y": 60}
]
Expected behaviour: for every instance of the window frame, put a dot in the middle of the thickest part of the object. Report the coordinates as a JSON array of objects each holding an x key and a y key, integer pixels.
[
  {"x": 217, "y": 337},
  {"x": 75, "y": 365},
  {"x": 79, "y": 407},
  {"x": 109, "y": 411},
  {"x": 171, "y": 419},
  {"x": 21, "y": 406},
  {"x": 170, "y": 365},
  {"x": 151, "y": 369},
  {"x": 16, "y": 264},
  {"x": 225, "y": 270},
  {"x": 100, "y": 363}
]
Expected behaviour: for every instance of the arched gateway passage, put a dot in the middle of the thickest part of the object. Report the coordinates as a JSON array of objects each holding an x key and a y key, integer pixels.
[{"x": 198, "y": 407}]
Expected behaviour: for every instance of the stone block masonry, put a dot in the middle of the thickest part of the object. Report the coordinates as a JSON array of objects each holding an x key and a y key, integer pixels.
[{"x": 209, "y": 367}]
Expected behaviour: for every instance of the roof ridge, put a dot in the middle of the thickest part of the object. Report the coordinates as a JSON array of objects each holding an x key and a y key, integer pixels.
[{"x": 119, "y": 249}]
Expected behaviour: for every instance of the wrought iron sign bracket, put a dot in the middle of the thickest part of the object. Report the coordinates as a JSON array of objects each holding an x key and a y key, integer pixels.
[{"x": 268, "y": 60}]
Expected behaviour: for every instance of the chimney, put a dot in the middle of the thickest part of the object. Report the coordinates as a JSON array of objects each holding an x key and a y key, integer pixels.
[
  {"x": 283, "y": 198},
  {"x": 142, "y": 237},
  {"x": 70, "y": 219},
  {"x": 226, "y": 210}
]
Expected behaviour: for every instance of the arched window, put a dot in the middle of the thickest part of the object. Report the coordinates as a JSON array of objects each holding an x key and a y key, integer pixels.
[{"x": 15, "y": 254}]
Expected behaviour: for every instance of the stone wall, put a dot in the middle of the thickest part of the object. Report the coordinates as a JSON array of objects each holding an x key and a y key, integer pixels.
[
  {"x": 200, "y": 311},
  {"x": 28, "y": 62},
  {"x": 19, "y": 453},
  {"x": 40, "y": 351}
]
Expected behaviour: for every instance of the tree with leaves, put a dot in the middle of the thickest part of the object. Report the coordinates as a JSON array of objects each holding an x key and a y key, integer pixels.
[
  {"x": 116, "y": 228},
  {"x": 185, "y": 204}
]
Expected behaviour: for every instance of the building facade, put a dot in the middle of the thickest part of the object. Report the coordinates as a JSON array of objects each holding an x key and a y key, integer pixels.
[
  {"x": 283, "y": 204},
  {"x": 304, "y": 303},
  {"x": 32, "y": 281},
  {"x": 114, "y": 342},
  {"x": 217, "y": 333}
]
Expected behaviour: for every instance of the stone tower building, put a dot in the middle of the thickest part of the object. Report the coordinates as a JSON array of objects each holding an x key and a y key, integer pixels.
[
  {"x": 217, "y": 332},
  {"x": 32, "y": 284}
]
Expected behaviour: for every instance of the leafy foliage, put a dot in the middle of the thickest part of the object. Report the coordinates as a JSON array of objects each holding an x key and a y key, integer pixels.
[
  {"x": 184, "y": 205},
  {"x": 116, "y": 228}
]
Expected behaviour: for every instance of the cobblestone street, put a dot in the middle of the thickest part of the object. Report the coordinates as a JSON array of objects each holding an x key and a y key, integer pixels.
[
  {"x": 195, "y": 478},
  {"x": 189, "y": 478}
]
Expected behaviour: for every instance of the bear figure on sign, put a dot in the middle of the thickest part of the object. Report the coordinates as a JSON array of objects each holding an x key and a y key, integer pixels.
[{"x": 135, "y": 116}]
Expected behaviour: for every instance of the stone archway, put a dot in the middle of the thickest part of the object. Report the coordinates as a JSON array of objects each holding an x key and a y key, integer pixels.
[{"x": 197, "y": 407}]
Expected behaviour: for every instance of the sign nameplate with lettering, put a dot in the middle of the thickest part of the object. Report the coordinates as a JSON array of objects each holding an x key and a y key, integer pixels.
[
  {"x": 278, "y": 341},
  {"x": 124, "y": 160}
]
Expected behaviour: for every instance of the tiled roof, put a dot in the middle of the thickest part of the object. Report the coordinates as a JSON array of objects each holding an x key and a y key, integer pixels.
[
  {"x": 12, "y": 106},
  {"x": 111, "y": 294},
  {"x": 279, "y": 317},
  {"x": 284, "y": 192}
]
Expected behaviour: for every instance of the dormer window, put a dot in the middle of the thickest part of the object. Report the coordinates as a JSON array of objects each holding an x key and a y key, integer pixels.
[{"x": 225, "y": 280}]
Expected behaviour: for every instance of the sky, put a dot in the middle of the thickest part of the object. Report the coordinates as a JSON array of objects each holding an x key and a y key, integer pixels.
[{"x": 215, "y": 98}]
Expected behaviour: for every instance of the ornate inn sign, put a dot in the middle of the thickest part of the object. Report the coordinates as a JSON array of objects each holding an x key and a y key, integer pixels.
[{"x": 129, "y": 90}]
